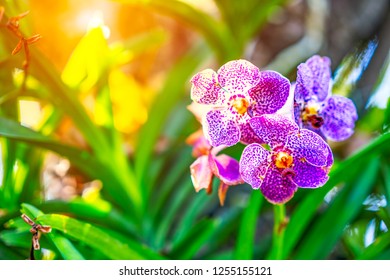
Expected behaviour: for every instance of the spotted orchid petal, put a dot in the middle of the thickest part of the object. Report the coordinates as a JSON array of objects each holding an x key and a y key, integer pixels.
[
  {"x": 307, "y": 175},
  {"x": 201, "y": 174},
  {"x": 318, "y": 131},
  {"x": 273, "y": 129},
  {"x": 270, "y": 93},
  {"x": 313, "y": 79},
  {"x": 248, "y": 136},
  {"x": 288, "y": 109},
  {"x": 205, "y": 88},
  {"x": 220, "y": 129},
  {"x": 307, "y": 146},
  {"x": 226, "y": 168},
  {"x": 238, "y": 76},
  {"x": 276, "y": 187},
  {"x": 339, "y": 115},
  {"x": 254, "y": 164},
  {"x": 329, "y": 159}
]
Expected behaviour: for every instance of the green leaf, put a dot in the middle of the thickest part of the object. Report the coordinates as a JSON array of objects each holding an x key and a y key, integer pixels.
[
  {"x": 192, "y": 243},
  {"x": 244, "y": 249},
  {"x": 353, "y": 237},
  {"x": 87, "y": 163},
  {"x": 61, "y": 96},
  {"x": 8, "y": 253},
  {"x": 110, "y": 244},
  {"x": 340, "y": 212},
  {"x": 172, "y": 91},
  {"x": 386, "y": 122},
  {"x": 170, "y": 177},
  {"x": 9, "y": 197},
  {"x": 170, "y": 214},
  {"x": 31, "y": 211},
  {"x": 16, "y": 238},
  {"x": 307, "y": 208},
  {"x": 104, "y": 216},
  {"x": 191, "y": 213},
  {"x": 65, "y": 247},
  {"x": 225, "y": 230},
  {"x": 376, "y": 248},
  {"x": 386, "y": 178}
]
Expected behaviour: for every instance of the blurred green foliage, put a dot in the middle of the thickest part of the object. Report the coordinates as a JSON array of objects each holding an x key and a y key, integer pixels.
[{"x": 147, "y": 208}]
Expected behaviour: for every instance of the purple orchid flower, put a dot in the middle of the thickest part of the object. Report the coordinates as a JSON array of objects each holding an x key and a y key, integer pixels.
[
  {"x": 234, "y": 94},
  {"x": 332, "y": 117},
  {"x": 297, "y": 158}
]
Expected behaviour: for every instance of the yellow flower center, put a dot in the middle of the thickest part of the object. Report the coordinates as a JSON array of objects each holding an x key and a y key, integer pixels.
[
  {"x": 310, "y": 115},
  {"x": 283, "y": 160},
  {"x": 241, "y": 105},
  {"x": 309, "y": 111}
]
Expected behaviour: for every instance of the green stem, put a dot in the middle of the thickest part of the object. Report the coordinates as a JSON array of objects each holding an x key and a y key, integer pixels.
[{"x": 279, "y": 230}]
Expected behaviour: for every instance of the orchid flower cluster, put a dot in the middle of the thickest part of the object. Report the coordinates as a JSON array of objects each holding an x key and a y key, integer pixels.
[{"x": 285, "y": 127}]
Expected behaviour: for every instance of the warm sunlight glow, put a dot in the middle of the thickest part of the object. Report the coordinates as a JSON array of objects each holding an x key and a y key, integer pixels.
[{"x": 96, "y": 20}]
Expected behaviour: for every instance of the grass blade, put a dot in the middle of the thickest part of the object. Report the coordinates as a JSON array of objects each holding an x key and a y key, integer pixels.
[
  {"x": 190, "y": 244},
  {"x": 65, "y": 247},
  {"x": 83, "y": 160},
  {"x": 307, "y": 208},
  {"x": 245, "y": 245},
  {"x": 342, "y": 210},
  {"x": 169, "y": 95},
  {"x": 376, "y": 248}
]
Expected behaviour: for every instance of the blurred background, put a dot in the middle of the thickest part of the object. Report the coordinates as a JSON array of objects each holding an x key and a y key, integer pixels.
[{"x": 93, "y": 121}]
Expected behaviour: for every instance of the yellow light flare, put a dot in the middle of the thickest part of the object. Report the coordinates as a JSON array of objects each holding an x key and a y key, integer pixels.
[
  {"x": 30, "y": 113},
  {"x": 128, "y": 100}
]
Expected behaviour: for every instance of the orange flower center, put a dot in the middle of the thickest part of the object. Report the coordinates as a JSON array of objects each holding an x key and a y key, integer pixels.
[
  {"x": 241, "y": 105},
  {"x": 283, "y": 160}
]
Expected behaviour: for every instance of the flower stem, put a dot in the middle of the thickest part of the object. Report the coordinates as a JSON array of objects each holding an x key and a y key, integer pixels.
[{"x": 279, "y": 230}]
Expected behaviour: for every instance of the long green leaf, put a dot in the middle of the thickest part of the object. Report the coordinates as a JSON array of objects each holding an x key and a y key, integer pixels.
[
  {"x": 173, "y": 90},
  {"x": 244, "y": 249},
  {"x": 190, "y": 244},
  {"x": 343, "y": 209},
  {"x": 307, "y": 208},
  {"x": 376, "y": 248},
  {"x": 169, "y": 178},
  {"x": 8, "y": 253},
  {"x": 113, "y": 246},
  {"x": 65, "y": 247},
  {"x": 104, "y": 216},
  {"x": 16, "y": 238},
  {"x": 170, "y": 214},
  {"x": 191, "y": 214},
  {"x": 87, "y": 163},
  {"x": 110, "y": 245}
]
